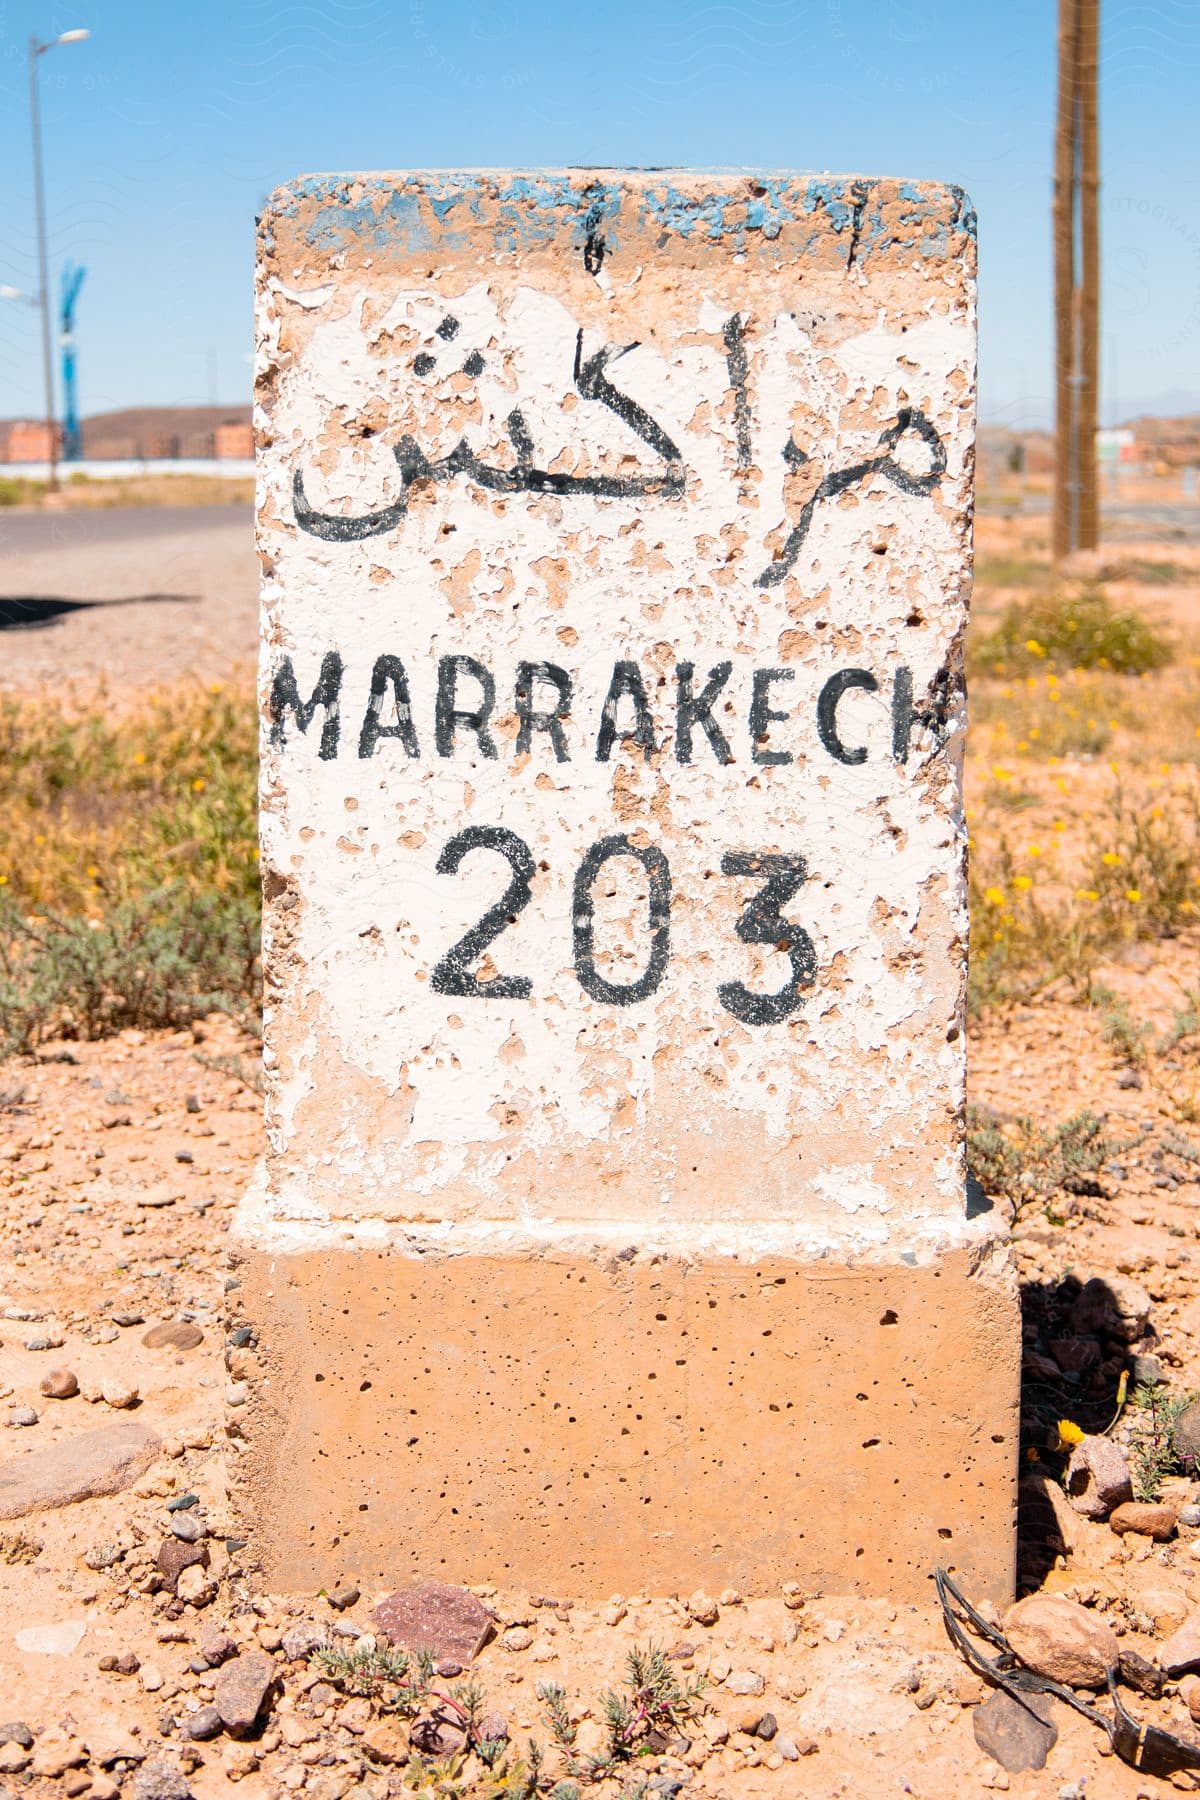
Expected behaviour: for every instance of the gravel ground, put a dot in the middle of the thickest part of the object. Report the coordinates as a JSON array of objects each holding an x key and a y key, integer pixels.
[{"x": 127, "y": 598}]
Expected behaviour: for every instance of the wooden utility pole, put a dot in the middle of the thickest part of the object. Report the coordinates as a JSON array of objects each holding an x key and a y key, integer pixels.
[{"x": 1076, "y": 278}]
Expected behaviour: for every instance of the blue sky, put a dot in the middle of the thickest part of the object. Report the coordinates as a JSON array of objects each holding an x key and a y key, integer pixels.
[{"x": 166, "y": 130}]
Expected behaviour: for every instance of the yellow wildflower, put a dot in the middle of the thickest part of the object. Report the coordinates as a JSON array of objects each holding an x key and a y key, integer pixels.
[
  {"x": 1033, "y": 849},
  {"x": 199, "y": 785},
  {"x": 1034, "y": 648},
  {"x": 994, "y": 896},
  {"x": 1086, "y": 894},
  {"x": 1069, "y": 1432},
  {"x": 1112, "y": 858},
  {"x": 1133, "y": 895},
  {"x": 1023, "y": 882}
]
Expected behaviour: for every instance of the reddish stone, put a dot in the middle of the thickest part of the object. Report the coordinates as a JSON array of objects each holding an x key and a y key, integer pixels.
[
  {"x": 1149, "y": 1520},
  {"x": 174, "y": 1556},
  {"x": 174, "y": 1336},
  {"x": 241, "y": 1689},
  {"x": 447, "y": 1621}
]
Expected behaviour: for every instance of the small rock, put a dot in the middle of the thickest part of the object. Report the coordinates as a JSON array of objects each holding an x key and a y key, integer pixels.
[
  {"x": 788, "y": 1749},
  {"x": 1180, "y": 1653},
  {"x": 1112, "y": 1307},
  {"x": 203, "y": 1724},
  {"x": 159, "y": 1779},
  {"x": 517, "y": 1637},
  {"x": 16, "y": 1731},
  {"x": 13, "y": 1758},
  {"x": 127, "y": 1318},
  {"x": 343, "y": 1599},
  {"x": 448, "y": 1669},
  {"x": 703, "y": 1608},
  {"x": 446, "y": 1621},
  {"x": 613, "y": 1614},
  {"x": 22, "y": 1415},
  {"x": 1097, "y": 1478},
  {"x": 238, "y": 1761},
  {"x": 1018, "y": 1734},
  {"x": 744, "y": 1681},
  {"x": 1141, "y": 1675},
  {"x": 118, "y": 1394},
  {"x": 176, "y": 1334},
  {"x": 1059, "y": 1638},
  {"x": 195, "y": 1586},
  {"x": 80, "y": 1468},
  {"x": 174, "y": 1557},
  {"x": 102, "y": 1556},
  {"x": 51, "y": 1640},
  {"x": 182, "y": 1502},
  {"x": 767, "y": 1727},
  {"x": 216, "y": 1645},
  {"x": 1146, "y": 1371},
  {"x": 1147, "y": 1519},
  {"x": 299, "y": 1641},
  {"x": 493, "y": 1729},
  {"x": 151, "y": 1677},
  {"x": 59, "y": 1384},
  {"x": 1189, "y": 1693},
  {"x": 189, "y": 1527},
  {"x": 242, "y": 1688},
  {"x": 56, "y": 1753},
  {"x": 1189, "y": 1515},
  {"x": 437, "y": 1735},
  {"x": 44, "y": 1340}
]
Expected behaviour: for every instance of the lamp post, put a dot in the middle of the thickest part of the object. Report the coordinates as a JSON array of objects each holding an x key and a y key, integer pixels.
[{"x": 37, "y": 49}]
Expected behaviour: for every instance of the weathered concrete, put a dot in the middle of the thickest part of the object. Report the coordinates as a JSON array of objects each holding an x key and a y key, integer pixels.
[{"x": 615, "y": 537}]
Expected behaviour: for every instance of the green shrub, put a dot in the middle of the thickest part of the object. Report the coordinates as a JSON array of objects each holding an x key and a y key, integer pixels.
[{"x": 1082, "y": 630}]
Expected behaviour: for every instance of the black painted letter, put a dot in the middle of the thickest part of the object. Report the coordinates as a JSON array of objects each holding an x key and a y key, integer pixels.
[
  {"x": 448, "y": 715},
  {"x": 551, "y": 722},
  {"x": 388, "y": 670},
  {"x": 626, "y": 683},
  {"x": 762, "y": 714},
  {"x": 902, "y": 714},
  {"x": 827, "y": 705},
  {"x": 285, "y": 698},
  {"x": 696, "y": 709}
]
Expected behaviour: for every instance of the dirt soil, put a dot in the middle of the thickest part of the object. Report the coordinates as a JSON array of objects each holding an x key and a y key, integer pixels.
[{"x": 120, "y": 1166}]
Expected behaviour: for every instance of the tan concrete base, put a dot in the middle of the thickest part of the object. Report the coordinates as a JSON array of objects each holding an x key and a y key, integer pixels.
[{"x": 579, "y": 1425}]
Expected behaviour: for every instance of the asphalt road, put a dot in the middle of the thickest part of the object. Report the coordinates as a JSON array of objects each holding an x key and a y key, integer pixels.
[{"x": 127, "y": 597}]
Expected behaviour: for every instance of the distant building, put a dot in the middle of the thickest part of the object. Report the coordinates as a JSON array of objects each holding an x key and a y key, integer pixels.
[
  {"x": 29, "y": 441},
  {"x": 233, "y": 439}
]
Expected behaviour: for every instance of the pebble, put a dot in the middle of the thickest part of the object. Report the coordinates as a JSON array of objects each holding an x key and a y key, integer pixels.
[
  {"x": 119, "y": 1394},
  {"x": 44, "y": 1340},
  {"x": 176, "y": 1334},
  {"x": 16, "y": 1731},
  {"x": 158, "y": 1779},
  {"x": 787, "y": 1748},
  {"x": 51, "y": 1640},
  {"x": 343, "y": 1599},
  {"x": 151, "y": 1677},
  {"x": 189, "y": 1527},
  {"x": 59, "y": 1384},
  {"x": 1062, "y": 1639},
  {"x": 702, "y": 1608},
  {"x": 204, "y": 1724},
  {"x": 241, "y": 1689},
  {"x": 1145, "y": 1518},
  {"x": 1189, "y": 1515},
  {"x": 195, "y": 1586},
  {"x": 517, "y": 1637},
  {"x": 181, "y": 1502},
  {"x": 745, "y": 1681},
  {"x": 22, "y": 1415}
]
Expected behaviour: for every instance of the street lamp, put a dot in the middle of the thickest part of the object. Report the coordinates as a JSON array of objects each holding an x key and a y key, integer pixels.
[{"x": 37, "y": 49}]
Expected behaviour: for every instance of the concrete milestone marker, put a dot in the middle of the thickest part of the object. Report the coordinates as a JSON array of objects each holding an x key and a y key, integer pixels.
[{"x": 615, "y": 534}]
